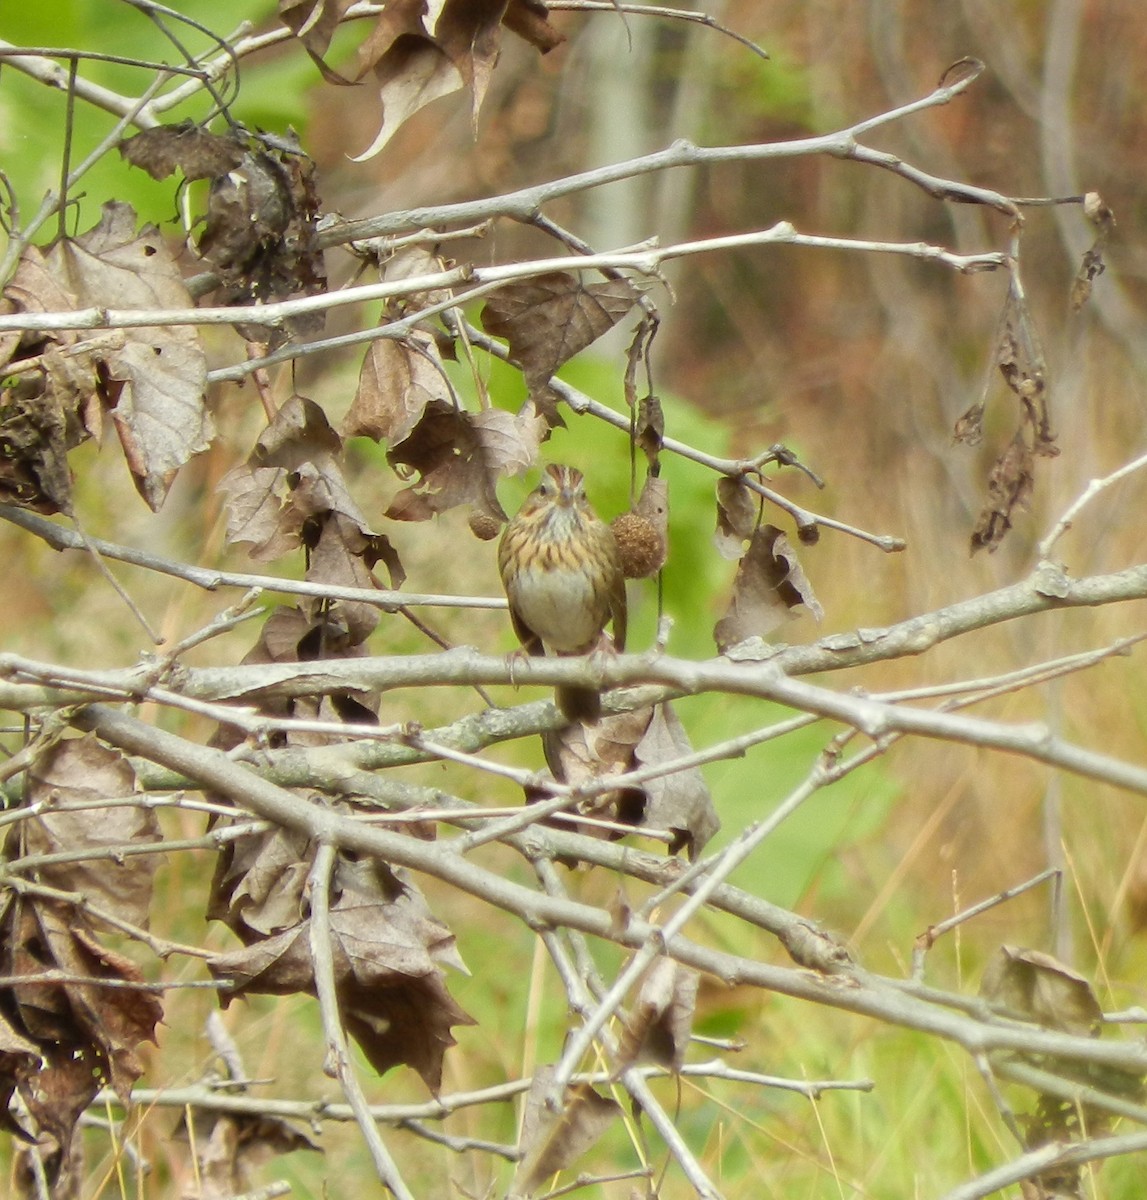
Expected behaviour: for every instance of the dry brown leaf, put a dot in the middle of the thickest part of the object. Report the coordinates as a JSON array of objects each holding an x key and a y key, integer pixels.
[
  {"x": 193, "y": 151},
  {"x": 258, "y": 508},
  {"x": 552, "y": 1141},
  {"x": 86, "y": 1035},
  {"x": 577, "y": 754},
  {"x": 413, "y": 72},
  {"x": 291, "y": 492},
  {"x": 228, "y": 1147},
  {"x": 461, "y": 456},
  {"x": 649, "y": 430},
  {"x": 1092, "y": 265},
  {"x": 550, "y": 318},
  {"x": 157, "y": 378},
  {"x": 397, "y": 381},
  {"x": 260, "y": 237},
  {"x": 470, "y": 32},
  {"x": 260, "y": 882},
  {"x": 661, "y": 1023},
  {"x": 35, "y": 288},
  {"x": 679, "y": 803},
  {"x": 738, "y": 513},
  {"x": 35, "y": 437},
  {"x": 768, "y": 588},
  {"x": 529, "y": 19},
  {"x": 314, "y": 23},
  {"x": 1036, "y": 987},
  {"x": 387, "y": 948},
  {"x": 81, "y": 771},
  {"x": 969, "y": 428},
  {"x": 1010, "y": 485}
]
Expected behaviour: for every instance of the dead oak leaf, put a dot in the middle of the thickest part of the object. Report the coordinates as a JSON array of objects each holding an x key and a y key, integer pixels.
[
  {"x": 1010, "y": 485},
  {"x": 228, "y": 1147},
  {"x": 470, "y": 32},
  {"x": 258, "y": 511},
  {"x": 1037, "y": 987},
  {"x": 550, "y": 318},
  {"x": 260, "y": 236},
  {"x": 314, "y": 23},
  {"x": 157, "y": 379},
  {"x": 386, "y": 948}
]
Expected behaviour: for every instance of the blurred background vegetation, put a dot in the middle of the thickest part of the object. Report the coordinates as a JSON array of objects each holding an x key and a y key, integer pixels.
[{"x": 861, "y": 363}]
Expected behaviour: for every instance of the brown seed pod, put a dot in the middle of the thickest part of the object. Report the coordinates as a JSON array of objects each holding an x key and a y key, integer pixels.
[
  {"x": 642, "y": 547},
  {"x": 483, "y": 526}
]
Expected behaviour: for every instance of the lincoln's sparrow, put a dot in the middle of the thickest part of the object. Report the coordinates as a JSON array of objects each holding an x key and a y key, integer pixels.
[{"x": 563, "y": 577}]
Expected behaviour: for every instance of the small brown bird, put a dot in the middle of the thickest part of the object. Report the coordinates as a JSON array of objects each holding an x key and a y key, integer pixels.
[{"x": 563, "y": 577}]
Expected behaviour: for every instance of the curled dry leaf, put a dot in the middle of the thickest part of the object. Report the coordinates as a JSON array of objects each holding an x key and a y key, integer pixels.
[
  {"x": 1010, "y": 487},
  {"x": 82, "y": 771},
  {"x": 550, "y": 318},
  {"x": 44, "y": 409},
  {"x": 193, "y": 151},
  {"x": 768, "y": 588},
  {"x": 413, "y": 65},
  {"x": 1092, "y": 265},
  {"x": 291, "y": 493},
  {"x": 397, "y": 381},
  {"x": 661, "y": 1023},
  {"x": 738, "y": 512},
  {"x": 679, "y": 802},
  {"x": 649, "y": 429},
  {"x": 414, "y": 71},
  {"x": 1036, "y": 987},
  {"x": 529, "y": 19},
  {"x": 227, "y": 1147},
  {"x": 83, "y": 1035},
  {"x": 314, "y": 23},
  {"x": 552, "y": 1141},
  {"x": 461, "y": 456},
  {"x": 969, "y": 428},
  {"x": 86, "y": 1035},
  {"x": 154, "y": 381}
]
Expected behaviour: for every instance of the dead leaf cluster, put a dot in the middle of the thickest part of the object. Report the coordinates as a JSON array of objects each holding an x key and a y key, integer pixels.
[
  {"x": 64, "y": 1033},
  {"x": 677, "y": 803},
  {"x": 291, "y": 493},
  {"x": 387, "y": 946},
  {"x": 262, "y": 211},
  {"x": 411, "y": 63},
  {"x": 59, "y": 389}
]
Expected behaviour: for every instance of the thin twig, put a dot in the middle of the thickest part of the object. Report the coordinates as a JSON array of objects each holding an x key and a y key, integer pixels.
[{"x": 338, "y": 1062}]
